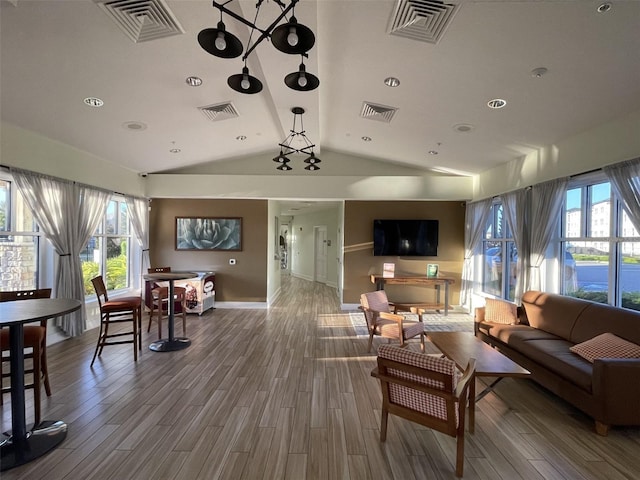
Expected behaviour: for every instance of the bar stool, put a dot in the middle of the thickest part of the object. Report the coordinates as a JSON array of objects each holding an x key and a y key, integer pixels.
[{"x": 120, "y": 310}]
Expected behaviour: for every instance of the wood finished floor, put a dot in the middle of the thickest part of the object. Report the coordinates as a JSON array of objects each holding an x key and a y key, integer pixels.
[{"x": 286, "y": 393}]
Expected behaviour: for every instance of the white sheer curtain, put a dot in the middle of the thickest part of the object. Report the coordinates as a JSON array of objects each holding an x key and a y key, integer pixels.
[
  {"x": 516, "y": 212},
  {"x": 139, "y": 215},
  {"x": 68, "y": 214},
  {"x": 625, "y": 181},
  {"x": 546, "y": 202},
  {"x": 475, "y": 219}
]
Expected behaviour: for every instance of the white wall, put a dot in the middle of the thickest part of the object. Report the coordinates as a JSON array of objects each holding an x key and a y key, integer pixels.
[
  {"x": 25, "y": 149},
  {"x": 610, "y": 143},
  {"x": 303, "y": 240}
]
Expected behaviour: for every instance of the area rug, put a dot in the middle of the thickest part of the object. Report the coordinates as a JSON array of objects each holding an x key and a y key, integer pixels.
[{"x": 433, "y": 322}]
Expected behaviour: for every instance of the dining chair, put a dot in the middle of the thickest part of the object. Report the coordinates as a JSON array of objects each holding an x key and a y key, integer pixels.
[
  {"x": 35, "y": 345},
  {"x": 425, "y": 389},
  {"x": 118, "y": 311},
  {"x": 160, "y": 306},
  {"x": 383, "y": 319}
]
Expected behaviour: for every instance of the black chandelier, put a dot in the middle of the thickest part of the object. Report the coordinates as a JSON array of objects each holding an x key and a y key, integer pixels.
[
  {"x": 291, "y": 37},
  {"x": 287, "y": 147}
]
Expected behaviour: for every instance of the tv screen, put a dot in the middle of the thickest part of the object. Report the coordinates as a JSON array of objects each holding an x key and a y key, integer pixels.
[{"x": 405, "y": 238}]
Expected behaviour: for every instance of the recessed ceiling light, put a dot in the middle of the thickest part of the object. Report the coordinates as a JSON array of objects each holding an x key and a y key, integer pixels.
[
  {"x": 175, "y": 150},
  {"x": 93, "y": 102},
  {"x": 496, "y": 103},
  {"x": 366, "y": 139},
  {"x": 538, "y": 72},
  {"x": 194, "y": 81},
  {"x": 135, "y": 126},
  {"x": 391, "y": 82},
  {"x": 433, "y": 152},
  {"x": 604, "y": 7},
  {"x": 241, "y": 137},
  {"x": 463, "y": 127}
]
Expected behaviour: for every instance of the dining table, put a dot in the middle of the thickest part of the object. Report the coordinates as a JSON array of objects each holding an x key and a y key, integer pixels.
[
  {"x": 171, "y": 343},
  {"x": 20, "y": 446}
]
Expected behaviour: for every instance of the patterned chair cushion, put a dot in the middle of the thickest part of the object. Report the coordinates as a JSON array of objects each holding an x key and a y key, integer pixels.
[
  {"x": 606, "y": 345},
  {"x": 499, "y": 311},
  {"x": 414, "y": 399}
]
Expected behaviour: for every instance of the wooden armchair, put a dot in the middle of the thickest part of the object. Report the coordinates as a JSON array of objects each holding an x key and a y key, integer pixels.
[
  {"x": 383, "y": 322},
  {"x": 426, "y": 390}
]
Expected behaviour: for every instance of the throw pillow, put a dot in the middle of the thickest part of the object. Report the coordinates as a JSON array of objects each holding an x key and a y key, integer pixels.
[
  {"x": 606, "y": 345},
  {"x": 499, "y": 311}
]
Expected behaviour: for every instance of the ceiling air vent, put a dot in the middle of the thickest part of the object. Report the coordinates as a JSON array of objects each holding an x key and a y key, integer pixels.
[
  {"x": 423, "y": 20},
  {"x": 221, "y": 111},
  {"x": 142, "y": 20},
  {"x": 381, "y": 113}
]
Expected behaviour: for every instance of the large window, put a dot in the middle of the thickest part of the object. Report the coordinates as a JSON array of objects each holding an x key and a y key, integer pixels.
[
  {"x": 108, "y": 251},
  {"x": 603, "y": 247},
  {"x": 500, "y": 257},
  {"x": 19, "y": 240}
]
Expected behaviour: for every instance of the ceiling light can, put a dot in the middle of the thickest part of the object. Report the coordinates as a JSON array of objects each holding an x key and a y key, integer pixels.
[
  {"x": 93, "y": 102},
  {"x": 497, "y": 103},
  {"x": 604, "y": 7},
  {"x": 391, "y": 82},
  {"x": 194, "y": 81}
]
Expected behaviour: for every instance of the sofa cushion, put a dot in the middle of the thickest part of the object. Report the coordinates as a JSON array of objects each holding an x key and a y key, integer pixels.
[
  {"x": 499, "y": 311},
  {"x": 554, "y": 355},
  {"x": 555, "y": 314},
  {"x": 514, "y": 335},
  {"x": 606, "y": 345},
  {"x": 600, "y": 318}
]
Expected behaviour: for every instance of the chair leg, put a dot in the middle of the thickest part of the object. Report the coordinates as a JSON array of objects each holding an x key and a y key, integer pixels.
[
  {"x": 99, "y": 341},
  {"x": 135, "y": 334},
  {"x": 459, "y": 455},
  {"x": 140, "y": 328},
  {"x": 370, "y": 341},
  {"x": 383, "y": 425},
  {"x": 422, "y": 342}
]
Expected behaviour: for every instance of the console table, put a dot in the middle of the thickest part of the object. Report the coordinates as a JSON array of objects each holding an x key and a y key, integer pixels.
[{"x": 409, "y": 279}]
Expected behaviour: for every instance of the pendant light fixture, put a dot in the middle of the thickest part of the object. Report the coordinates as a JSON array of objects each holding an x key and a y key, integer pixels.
[
  {"x": 290, "y": 37},
  {"x": 287, "y": 147}
]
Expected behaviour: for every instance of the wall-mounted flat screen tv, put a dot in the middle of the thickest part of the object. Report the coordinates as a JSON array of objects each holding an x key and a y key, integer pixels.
[{"x": 405, "y": 238}]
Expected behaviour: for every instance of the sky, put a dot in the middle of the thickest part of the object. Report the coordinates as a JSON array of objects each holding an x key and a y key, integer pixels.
[{"x": 599, "y": 192}]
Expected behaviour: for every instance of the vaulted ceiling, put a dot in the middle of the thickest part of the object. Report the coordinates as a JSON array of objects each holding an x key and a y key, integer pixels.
[{"x": 563, "y": 67}]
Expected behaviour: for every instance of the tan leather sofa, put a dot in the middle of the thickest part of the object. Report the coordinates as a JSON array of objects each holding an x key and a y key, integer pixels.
[{"x": 608, "y": 389}]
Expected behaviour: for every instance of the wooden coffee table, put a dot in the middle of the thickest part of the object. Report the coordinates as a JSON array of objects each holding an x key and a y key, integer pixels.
[{"x": 461, "y": 346}]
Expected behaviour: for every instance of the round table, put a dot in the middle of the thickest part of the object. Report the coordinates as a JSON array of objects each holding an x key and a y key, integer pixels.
[
  {"x": 20, "y": 446},
  {"x": 172, "y": 343}
]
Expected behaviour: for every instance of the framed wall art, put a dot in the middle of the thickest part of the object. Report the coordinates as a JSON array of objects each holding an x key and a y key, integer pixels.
[{"x": 208, "y": 233}]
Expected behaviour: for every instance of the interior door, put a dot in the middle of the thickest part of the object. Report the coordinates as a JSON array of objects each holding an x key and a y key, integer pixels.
[{"x": 320, "y": 252}]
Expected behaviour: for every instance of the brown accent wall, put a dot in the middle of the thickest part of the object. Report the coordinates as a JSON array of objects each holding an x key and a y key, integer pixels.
[
  {"x": 244, "y": 282},
  {"x": 359, "y": 262}
]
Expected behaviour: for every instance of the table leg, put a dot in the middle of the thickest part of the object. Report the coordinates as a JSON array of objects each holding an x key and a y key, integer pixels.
[
  {"x": 21, "y": 447},
  {"x": 446, "y": 299},
  {"x": 172, "y": 343}
]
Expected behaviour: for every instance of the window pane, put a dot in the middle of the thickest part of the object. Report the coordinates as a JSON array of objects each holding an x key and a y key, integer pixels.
[
  {"x": 18, "y": 262},
  {"x": 90, "y": 257},
  {"x": 600, "y": 213},
  {"x": 492, "y": 270},
  {"x": 5, "y": 205},
  {"x": 626, "y": 229},
  {"x": 573, "y": 218},
  {"x": 592, "y": 270},
  {"x": 116, "y": 272},
  {"x": 511, "y": 270},
  {"x": 124, "y": 219},
  {"x": 630, "y": 275},
  {"x": 111, "y": 219}
]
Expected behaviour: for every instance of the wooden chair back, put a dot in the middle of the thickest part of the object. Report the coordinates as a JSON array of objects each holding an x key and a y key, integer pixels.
[
  {"x": 159, "y": 270},
  {"x": 425, "y": 390},
  {"x": 25, "y": 294}
]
